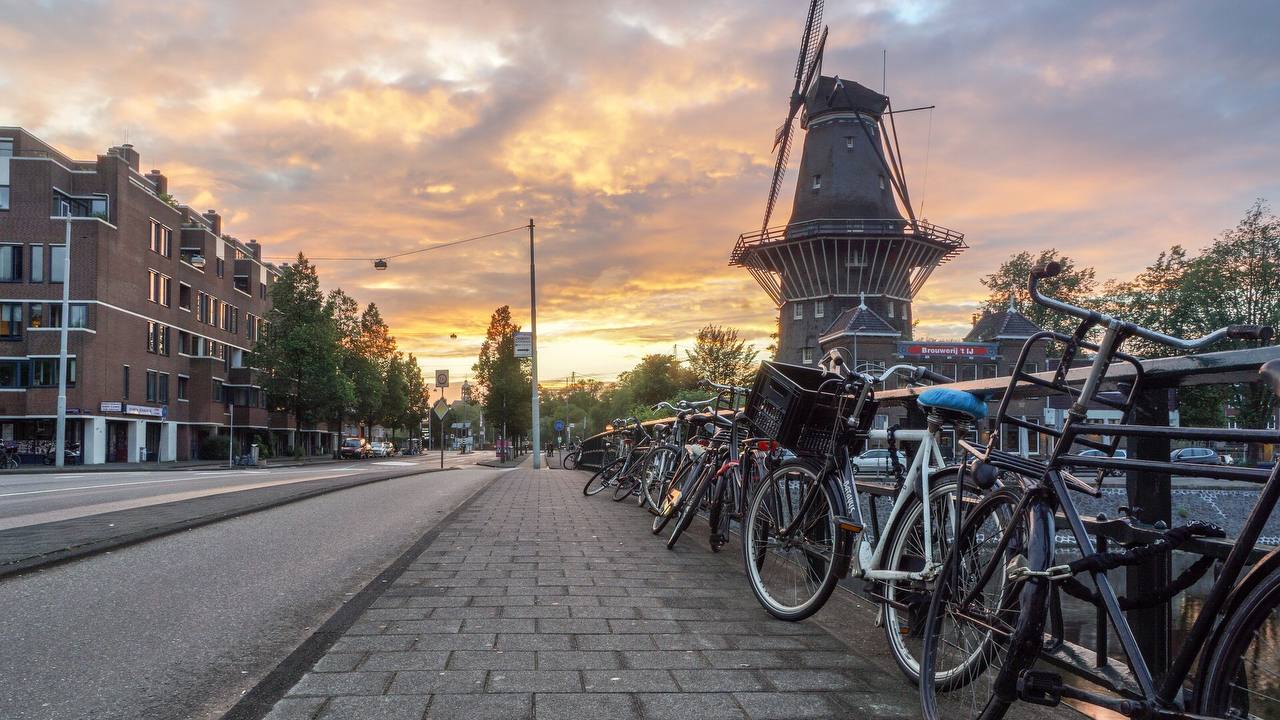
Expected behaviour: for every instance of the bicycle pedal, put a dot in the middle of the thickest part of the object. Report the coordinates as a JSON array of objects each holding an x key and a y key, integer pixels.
[
  {"x": 848, "y": 524},
  {"x": 1040, "y": 687}
]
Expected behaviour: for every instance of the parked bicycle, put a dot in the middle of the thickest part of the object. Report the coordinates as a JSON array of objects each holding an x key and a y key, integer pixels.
[
  {"x": 10, "y": 457},
  {"x": 1001, "y": 582}
]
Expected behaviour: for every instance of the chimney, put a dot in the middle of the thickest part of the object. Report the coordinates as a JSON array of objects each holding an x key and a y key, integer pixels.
[
  {"x": 254, "y": 249},
  {"x": 128, "y": 154},
  {"x": 215, "y": 221},
  {"x": 161, "y": 182}
]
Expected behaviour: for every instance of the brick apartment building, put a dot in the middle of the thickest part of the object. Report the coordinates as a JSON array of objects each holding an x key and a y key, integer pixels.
[{"x": 164, "y": 309}]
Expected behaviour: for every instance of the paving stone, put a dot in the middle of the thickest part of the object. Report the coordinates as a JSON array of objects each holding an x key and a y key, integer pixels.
[
  {"x": 465, "y": 612},
  {"x": 498, "y": 625},
  {"x": 406, "y": 661},
  {"x": 534, "y": 641},
  {"x": 663, "y": 659},
  {"x": 614, "y": 642},
  {"x": 720, "y": 680},
  {"x": 296, "y": 709},
  {"x": 491, "y": 660},
  {"x": 418, "y": 682},
  {"x": 420, "y": 627},
  {"x": 386, "y": 707},
  {"x": 551, "y": 681},
  {"x": 347, "y": 683},
  {"x": 809, "y": 679},
  {"x": 536, "y": 611},
  {"x": 573, "y": 625},
  {"x": 462, "y": 641},
  {"x": 730, "y": 659},
  {"x": 787, "y": 705},
  {"x": 703, "y": 706},
  {"x": 504, "y": 706},
  {"x": 356, "y": 643},
  {"x": 584, "y": 706},
  {"x": 628, "y": 681},
  {"x": 338, "y": 662},
  {"x": 578, "y": 660}
]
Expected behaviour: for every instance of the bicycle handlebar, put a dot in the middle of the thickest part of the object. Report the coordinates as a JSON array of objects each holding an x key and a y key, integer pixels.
[
  {"x": 705, "y": 382},
  {"x": 1234, "y": 332}
]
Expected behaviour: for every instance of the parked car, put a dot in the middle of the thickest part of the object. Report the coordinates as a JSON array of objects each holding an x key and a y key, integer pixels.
[
  {"x": 1094, "y": 452},
  {"x": 389, "y": 447},
  {"x": 876, "y": 462},
  {"x": 355, "y": 448},
  {"x": 379, "y": 448},
  {"x": 1199, "y": 455}
]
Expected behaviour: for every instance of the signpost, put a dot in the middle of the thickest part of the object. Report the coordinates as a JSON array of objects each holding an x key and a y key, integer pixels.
[
  {"x": 523, "y": 344},
  {"x": 441, "y": 408}
]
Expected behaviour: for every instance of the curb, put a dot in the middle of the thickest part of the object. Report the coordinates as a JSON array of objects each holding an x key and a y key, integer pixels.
[
  {"x": 41, "y": 562},
  {"x": 260, "y": 698}
]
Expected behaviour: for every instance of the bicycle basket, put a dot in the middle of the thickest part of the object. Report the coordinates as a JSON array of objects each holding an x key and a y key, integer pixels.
[{"x": 785, "y": 406}]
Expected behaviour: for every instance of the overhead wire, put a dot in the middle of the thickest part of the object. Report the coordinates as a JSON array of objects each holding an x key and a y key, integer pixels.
[{"x": 438, "y": 246}]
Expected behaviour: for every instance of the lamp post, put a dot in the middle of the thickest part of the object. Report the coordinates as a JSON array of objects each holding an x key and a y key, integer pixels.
[
  {"x": 60, "y": 441},
  {"x": 533, "y": 354}
]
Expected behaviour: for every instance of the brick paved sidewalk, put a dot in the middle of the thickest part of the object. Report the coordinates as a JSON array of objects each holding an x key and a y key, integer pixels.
[{"x": 538, "y": 602}]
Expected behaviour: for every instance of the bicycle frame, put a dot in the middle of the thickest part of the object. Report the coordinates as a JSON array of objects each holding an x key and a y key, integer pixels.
[{"x": 1053, "y": 485}]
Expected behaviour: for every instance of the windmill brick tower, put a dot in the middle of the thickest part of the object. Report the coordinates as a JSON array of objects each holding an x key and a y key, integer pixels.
[{"x": 848, "y": 264}]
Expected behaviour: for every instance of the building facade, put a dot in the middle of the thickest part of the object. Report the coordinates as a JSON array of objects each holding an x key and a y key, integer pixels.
[{"x": 165, "y": 307}]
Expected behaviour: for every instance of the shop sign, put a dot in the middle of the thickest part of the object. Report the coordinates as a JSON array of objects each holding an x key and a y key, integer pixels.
[
  {"x": 936, "y": 349},
  {"x": 110, "y": 407},
  {"x": 144, "y": 410}
]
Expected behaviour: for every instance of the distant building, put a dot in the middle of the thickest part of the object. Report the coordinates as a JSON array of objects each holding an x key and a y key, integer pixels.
[{"x": 165, "y": 308}]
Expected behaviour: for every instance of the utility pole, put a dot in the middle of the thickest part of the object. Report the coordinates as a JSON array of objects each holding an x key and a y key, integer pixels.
[
  {"x": 533, "y": 336},
  {"x": 60, "y": 441}
]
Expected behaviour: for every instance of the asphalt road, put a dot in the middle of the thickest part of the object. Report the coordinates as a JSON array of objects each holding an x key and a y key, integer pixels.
[
  {"x": 31, "y": 498},
  {"x": 181, "y": 626}
]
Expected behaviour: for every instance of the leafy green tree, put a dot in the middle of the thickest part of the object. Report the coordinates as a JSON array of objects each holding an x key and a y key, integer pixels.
[
  {"x": 395, "y": 402},
  {"x": 297, "y": 352},
  {"x": 503, "y": 382},
  {"x": 719, "y": 356},
  {"x": 656, "y": 378},
  {"x": 418, "y": 403},
  {"x": 1074, "y": 284},
  {"x": 376, "y": 348}
]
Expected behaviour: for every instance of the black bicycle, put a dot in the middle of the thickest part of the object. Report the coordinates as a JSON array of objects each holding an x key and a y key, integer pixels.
[{"x": 1001, "y": 581}]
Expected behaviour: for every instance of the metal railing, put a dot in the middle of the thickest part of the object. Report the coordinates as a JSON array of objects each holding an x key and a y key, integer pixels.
[{"x": 952, "y": 240}]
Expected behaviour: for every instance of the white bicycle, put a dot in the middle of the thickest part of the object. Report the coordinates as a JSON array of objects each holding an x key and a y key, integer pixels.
[{"x": 805, "y": 527}]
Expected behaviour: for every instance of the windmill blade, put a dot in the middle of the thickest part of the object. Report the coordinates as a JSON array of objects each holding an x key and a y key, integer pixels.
[
  {"x": 812, "y": 22},
  {"x": 779, "y": 170},
  {"x": 815, "y": 67}
]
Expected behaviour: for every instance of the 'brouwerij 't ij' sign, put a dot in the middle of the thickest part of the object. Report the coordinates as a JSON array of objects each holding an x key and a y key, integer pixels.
[{"x": 947, "y": 349}]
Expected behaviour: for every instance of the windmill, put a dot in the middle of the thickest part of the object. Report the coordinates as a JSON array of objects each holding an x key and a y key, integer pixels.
[{"x": 853, "y": 254}]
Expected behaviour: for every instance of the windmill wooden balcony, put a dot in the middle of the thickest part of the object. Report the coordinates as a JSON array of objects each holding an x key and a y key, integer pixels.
[{"x": 845, "y": 257}]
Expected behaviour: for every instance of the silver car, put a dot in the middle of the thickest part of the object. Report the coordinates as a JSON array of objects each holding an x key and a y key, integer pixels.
[{"x": 876, "y": 462}]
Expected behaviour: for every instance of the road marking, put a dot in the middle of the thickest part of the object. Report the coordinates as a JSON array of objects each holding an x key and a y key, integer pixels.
[
  {"x": 396, "y": 463},
  {"x": 139, "y": 482}
]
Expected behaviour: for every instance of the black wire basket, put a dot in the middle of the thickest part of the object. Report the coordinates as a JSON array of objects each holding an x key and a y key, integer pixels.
[{"x": 785, "y": 405}]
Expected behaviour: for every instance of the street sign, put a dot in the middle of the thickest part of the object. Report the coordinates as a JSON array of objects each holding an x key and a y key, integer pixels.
[
  {"x": 442, "y": 378},
  {"x": 559, "y": 426},
  {"x": 524, "y": 344},
  {"x": 441, "y": 408}
]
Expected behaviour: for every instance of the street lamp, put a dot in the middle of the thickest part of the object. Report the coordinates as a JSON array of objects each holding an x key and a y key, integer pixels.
[{"x": 60, "y": 439}]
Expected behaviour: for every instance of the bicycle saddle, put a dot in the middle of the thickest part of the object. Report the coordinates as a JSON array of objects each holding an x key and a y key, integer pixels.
[
  {"x": 959, "y": 402},
  {"x": 1270, "y": 371}
]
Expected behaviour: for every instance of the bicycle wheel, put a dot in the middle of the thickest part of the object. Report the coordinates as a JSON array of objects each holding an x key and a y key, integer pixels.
[
  {"x": 977, "y": 648},
  {"x": 655, "y": 474},
  {"x": 672, "y": 492},
  {"x": 570, "y": 461},
  {"x": 626, "y": 483},
  {"x": 604, "y": 477},
  {"x": 792, "y": 577},
  {"x": 907, "y": 601},
  {"x": 1242, "y": 677},
  {"x": 689, "y": 504}
]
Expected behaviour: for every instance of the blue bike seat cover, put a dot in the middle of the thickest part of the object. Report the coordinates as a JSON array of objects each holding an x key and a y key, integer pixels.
[{"x": 956, "y": 401}]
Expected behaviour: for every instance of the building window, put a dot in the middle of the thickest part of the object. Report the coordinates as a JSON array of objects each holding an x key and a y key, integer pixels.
[
  {"x": 44, "y": 372},
  {"x": 251, "y": 323},
  {"x": 125, "y": 385},
  {"x": 6, "y": 147},
  {"x": 158, "y": 287},
  {"x": 13, "y": 373},
  {"x": 819, "y": 309},
  {"x": 797, "y": 311},
  {"x": 161, "y": 239},
  {"x": 817, "y": 182},
  {"x": 4, "y": 197},
  {"x": 10, "y": 321},
  {"x": 262, "y": 290},
  {"x": 11, "y": 263},
  {"x": 881, "y": 182},
  {"x": 57, "y": 259},
  {"x": 157, "y": 338},
  {"x": 163, "y": 388},
  {"x": 224, "y": 316},
  {"x": 806, "y": 356},
  {"x": 890, "y": 308},
  {"x": 37, "y": 263},
  {"x": 151, "y": 385},
  {"x": 182, "y": 387},
  {"x": 184, "y": 296},
  {"x": 219, "y": 391},
  {"x": 222, "y": 266},
  {"x": 35, "y": 316},
  {"x": 848, "y": 141}
]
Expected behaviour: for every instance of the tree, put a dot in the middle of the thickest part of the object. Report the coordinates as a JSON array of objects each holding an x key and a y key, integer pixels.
[
  {"x": 376, "y": 349},
  {"x": 418, "y": 396},
  {"x": 395, "y": 402},
  {"x": 719, "y": 356},
  {"x": 503, "y": 381},
  {"x": 297, "y": 352},
  {"x": 655, "y": 378},
  {"x": 1074, "y": 285}
]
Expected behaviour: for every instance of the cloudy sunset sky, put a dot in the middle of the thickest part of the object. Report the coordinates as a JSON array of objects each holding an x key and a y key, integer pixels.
[{"x": 637, "y": 135}]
